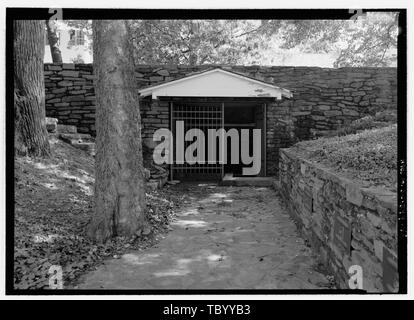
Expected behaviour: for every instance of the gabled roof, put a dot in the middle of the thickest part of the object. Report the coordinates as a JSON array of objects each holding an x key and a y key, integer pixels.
[{"x": 216, "y": 83}]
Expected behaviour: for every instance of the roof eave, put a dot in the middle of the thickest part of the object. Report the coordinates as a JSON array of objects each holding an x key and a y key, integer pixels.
[{"x": 150, "y": 90}]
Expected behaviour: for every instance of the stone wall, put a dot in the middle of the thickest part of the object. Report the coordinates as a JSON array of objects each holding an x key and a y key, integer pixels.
[
  {"x": 344, "y": 223},
  {"x": 323, "y": 98},
  {"x": 70, "y": 95}
]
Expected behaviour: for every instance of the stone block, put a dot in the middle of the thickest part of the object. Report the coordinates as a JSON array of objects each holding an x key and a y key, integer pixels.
[
  {"x": 323, "y": 107},
  {"x": 89, "y": 76},
  {"x": 374, "y": 219},
  {"x": 303, "y": 168},
  {"x": 70, "y": 73},
  {"x": 65, "y": 83},
  {"x": 163, "y": 72},
  {"x": 354, "y": 194},
  {"x": 59, "y": 90},
  {"x": 61, "y": 104},
  {"x": 349, "y": 112},
  {"x": 54, "y": 67},
  {"x": 378, "y": 248},
  {"x": 152, "y": 185},
  {"x": 70, "y": 66},
  {"x": 66, "y": 128},
  {"x": 156, "y": 78},
  {"x": 89, "y": 147},
  {"x": 147, "y": 173},
  {"x": 76, "y": 92},
  {"x": 73, "y": 98},
  {"x": 53, "y": 100},
  {"x": 359, "y": 93},
  {"x": 51, "y": 124},
  {"x": 332, "y": 113}
]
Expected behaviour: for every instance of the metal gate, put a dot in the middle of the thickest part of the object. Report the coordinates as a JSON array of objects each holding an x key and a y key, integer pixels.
[{"x": 203, "y": 117}]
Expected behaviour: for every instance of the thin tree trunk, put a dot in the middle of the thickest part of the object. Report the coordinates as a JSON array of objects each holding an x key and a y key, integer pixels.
[
  {"x": 29, "y": 89},
  {"x": 53, "y": 41},
  {"x": 119, "y": 185},
  {"x": 192, "y": 60},
  {"x": 193, "y": 55}
]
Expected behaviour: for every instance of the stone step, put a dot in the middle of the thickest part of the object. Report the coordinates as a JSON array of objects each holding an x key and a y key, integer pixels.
[
  {"x": 81, "y": 141},
  {"x": 147, "y": 173},
  {"x": 89, "y": 147},
  {"x": 276, "y": 184},
  {"x": 153, "y": 184},
  {"x": 76, "y": 137},
  {"x": 63, "y": 128},
  {"x": 51, "y": 124},
  {"x": 230, "y": 180}
]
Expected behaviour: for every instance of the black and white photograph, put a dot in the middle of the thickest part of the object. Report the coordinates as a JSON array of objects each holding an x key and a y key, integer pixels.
[{"x": 200, "y": 151}]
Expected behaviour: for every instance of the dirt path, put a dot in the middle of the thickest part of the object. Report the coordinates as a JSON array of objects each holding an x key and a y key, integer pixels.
[{"x": 224, "y": 238}]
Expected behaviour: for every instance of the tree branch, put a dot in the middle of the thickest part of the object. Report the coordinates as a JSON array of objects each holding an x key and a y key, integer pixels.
[{"x": 250, "y": 31}]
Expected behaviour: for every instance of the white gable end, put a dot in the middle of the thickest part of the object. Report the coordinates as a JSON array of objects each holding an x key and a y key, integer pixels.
[{"x": 215, "y": 83}]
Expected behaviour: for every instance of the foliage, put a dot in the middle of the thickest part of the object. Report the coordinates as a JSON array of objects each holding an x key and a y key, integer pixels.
[
  {"x": 78, "y": 59},
  {"x": 194, "y": 42},
  {"x": 369, "y": 41},
  {"x": 53, "y": 205},
  {"x": 82, "y": 25},
  {"x": 369, "y": 156}
]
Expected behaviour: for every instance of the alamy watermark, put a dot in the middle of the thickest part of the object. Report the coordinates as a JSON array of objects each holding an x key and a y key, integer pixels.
[
  {"x": 356, "y": 277},
  {"x": 217, "y": 139},
  {"x": 55, "y": 277}
]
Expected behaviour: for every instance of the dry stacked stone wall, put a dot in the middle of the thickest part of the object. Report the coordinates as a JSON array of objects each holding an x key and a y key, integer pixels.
[
  {"x": 348, "y": 226},
  {"x": 323, "y": 99}
]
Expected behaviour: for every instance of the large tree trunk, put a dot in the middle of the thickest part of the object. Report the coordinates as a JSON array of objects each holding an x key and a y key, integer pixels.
[
  {"x": 29, "y": 89},
  {"x": 119, "y": 185},
  {"x": 53, "y": 41}
]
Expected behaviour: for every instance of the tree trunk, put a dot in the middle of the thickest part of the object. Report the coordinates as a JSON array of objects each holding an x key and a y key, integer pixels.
[
  {"x": 53, "y": 41},
  {"x": 119, "y": 185},
  {"x": 29, "y": 89}
]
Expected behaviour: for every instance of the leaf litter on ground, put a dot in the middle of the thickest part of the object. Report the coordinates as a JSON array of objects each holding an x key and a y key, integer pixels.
[{"x": 53, "y": 205}]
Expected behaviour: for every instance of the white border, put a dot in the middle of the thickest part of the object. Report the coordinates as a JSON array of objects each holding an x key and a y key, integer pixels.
[{"x": 217, "y": 4}]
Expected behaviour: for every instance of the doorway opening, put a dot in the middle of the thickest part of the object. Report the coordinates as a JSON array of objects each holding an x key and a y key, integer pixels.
[
  {"x": 243, "y": 116},
  {"x": 215, "y": 115}
]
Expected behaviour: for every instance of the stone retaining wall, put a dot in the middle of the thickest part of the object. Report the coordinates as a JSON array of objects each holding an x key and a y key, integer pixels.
[
  {"x": 323, "y": 99},
  {"x": 346, "y": 224}
]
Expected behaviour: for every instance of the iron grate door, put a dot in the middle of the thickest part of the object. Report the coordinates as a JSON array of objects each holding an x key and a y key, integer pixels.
[{"x": 203, "y": 117}]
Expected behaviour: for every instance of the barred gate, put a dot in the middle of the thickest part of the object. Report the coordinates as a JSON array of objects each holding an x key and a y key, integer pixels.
[{"x": 203, "y": 117}]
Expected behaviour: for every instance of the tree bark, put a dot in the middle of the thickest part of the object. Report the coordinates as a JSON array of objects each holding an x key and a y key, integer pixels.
[
  {"x": 29, "y": 89},
  {"x": 119, "y": 185},
  {"x": 53, "y": 41}
]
